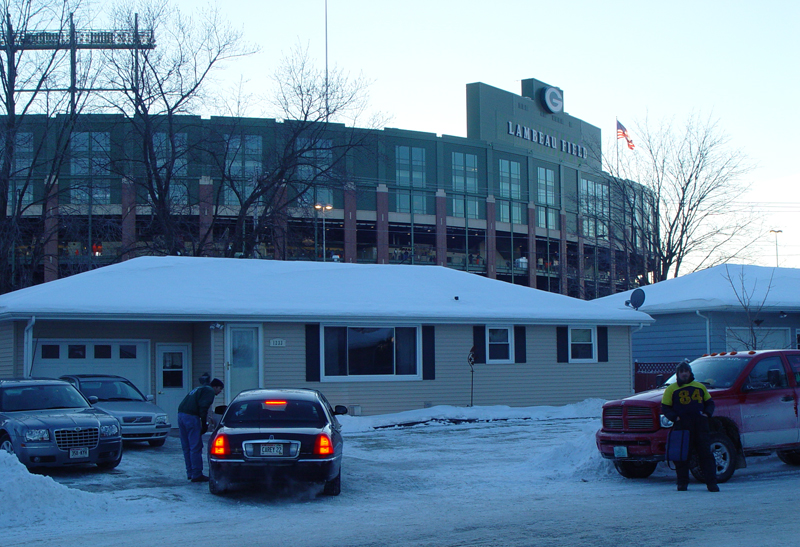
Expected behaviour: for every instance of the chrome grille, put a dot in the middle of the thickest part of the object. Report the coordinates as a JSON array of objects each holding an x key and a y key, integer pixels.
[
  {"x": 137, "y": 419},
  {"x": 612, "y": 418},
  {"x": 73, "y": 438},
  {"x": 629, "y": 418},
  {"x": 640, "y": 418}
]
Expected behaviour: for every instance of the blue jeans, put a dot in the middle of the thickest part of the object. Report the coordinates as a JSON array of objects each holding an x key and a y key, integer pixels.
[{"x": 191, "y": 443}]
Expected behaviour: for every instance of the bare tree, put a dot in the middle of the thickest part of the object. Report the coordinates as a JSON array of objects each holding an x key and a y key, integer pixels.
[
  {"x": 162, "y": 87},
  {"x": 316, "y": 113},
  {"x": 40, "y": 100},
  {"x": 683, "y": 213}
]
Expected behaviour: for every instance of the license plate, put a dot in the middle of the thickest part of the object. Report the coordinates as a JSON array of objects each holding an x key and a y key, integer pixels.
[
  {"x": 271, "y": 450},
  {"x": 79, "y": 452},
  {"x": 620, "y": 451}
]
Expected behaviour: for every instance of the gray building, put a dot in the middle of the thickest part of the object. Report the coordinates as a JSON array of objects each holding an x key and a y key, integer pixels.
[{"x": 522, "y": 199}]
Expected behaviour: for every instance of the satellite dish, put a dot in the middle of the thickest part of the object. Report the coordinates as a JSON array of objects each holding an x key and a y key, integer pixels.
[{"x": 637, "y": 299}]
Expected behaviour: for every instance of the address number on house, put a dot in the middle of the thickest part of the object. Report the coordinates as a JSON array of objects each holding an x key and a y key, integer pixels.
[{"x": 277, "y": 343}]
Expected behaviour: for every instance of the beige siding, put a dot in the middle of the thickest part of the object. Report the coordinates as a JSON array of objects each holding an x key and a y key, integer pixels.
[
  {"x": 539, "y": 381},
  {"x": 7, "y": 350}
]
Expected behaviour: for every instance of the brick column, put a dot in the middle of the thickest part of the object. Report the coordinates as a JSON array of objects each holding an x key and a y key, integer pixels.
[
  {"x": 531, "y": 244},
  {"x": 382, "y": 223},
  {"x": 350, "y": 225},
  {"x": 491, "y": 239},
  {"x": 51, "y": 234},
  {"x": 441, "y": 228},
  {"x": 562, "y": 253}
]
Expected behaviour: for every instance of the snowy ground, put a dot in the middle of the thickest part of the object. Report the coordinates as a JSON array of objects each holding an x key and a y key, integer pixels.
[{"x": 528, "y": 476}]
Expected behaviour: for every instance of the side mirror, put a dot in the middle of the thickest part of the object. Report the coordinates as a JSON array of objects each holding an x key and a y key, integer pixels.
[
  {"x": 150, "y": 398},
  {"x": 93, "y": 399},
  {"x": 220, "y": 409},
  {"x": 340, "y": 410}
]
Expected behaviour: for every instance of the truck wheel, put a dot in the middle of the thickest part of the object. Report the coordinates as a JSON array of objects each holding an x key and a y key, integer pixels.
[
  {"x": 635, "y": 470},
  {"x": 791, "y": 457},
  {"x": 5, "y": 443},
  {"x": 724, "y": 452}
]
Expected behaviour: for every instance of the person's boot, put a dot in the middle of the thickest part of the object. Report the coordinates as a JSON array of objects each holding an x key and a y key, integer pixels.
[
  {"x": 683, "y": 487},
  {"x": 712, "y": 487}
]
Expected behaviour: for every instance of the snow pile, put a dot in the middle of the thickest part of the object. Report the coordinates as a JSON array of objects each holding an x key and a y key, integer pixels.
[
  {"x": 26, "y": 498},
  {"x": 590, "y": 408}
]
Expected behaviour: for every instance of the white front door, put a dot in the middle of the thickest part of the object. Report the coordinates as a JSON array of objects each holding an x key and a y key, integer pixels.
[
  {"x": 174, "y": 377},
  {"x": 243, "y": 358}
]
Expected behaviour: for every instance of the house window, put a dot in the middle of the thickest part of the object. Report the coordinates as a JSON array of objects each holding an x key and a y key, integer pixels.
[
  {"x": 76, "y": 351},
  {"x": 510, "y": 179},
  {"x": 102, "y": 351},
  {"x": 19, "y": 187},
  {"x": 547, "y": 186},
  {"x": 127, "y": 351},
  {"x": 582, "y": 345},
  {"x": 498, "y": 344},
  {"x": 314, "y": 172},
  {"x": 51, "y": 351},
  {"x": 364, "y": 352},
  {"x": 243, "y": 164},
  {"x": 89, "y": 168}
]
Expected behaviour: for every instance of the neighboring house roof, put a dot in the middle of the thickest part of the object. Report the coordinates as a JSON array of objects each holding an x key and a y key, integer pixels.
[
  {"x": 216, "y": 289},
  {"x": 728, "y": 287}
]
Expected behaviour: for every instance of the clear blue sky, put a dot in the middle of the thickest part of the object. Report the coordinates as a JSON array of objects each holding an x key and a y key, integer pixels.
[{"x": 734, "y": 60}]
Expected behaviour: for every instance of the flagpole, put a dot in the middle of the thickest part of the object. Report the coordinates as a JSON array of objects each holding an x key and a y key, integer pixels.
[{"x": 617, "y": 140}]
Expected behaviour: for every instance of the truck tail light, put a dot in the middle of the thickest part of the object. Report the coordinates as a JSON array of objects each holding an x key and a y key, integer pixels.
[{"x": 323, "y": 446}]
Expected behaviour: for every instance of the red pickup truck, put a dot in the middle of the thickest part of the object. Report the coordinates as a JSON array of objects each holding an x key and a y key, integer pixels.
[{"x": 756, "y": 394}]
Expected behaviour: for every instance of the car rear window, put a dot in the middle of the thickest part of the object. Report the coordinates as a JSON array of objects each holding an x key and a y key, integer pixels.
[{"x": 274, "y": 413}]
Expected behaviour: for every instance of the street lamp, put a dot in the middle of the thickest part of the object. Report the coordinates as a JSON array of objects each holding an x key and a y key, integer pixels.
[
  {"x": 776, "y": 232},
  {"x": 323, "y": 209}
]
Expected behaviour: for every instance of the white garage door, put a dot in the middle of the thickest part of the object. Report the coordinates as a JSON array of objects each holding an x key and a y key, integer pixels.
[{"x": 128, "y": 358}]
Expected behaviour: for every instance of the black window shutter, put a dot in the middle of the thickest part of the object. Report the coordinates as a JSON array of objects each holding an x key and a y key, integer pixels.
[
  {"x": 520, "y": 349},
  {"x": 602, "y": 344},
  {"x": 479, "y": 343},
  {"x": 562, "y": 345},
  {"x": 312, "y": 353},
  {"x": 428, "y": 353}
]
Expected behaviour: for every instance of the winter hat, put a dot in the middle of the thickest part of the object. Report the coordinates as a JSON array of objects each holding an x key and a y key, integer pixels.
[
  {"x": 683, "y": 366},
  {"x": 216, "y": 382}
]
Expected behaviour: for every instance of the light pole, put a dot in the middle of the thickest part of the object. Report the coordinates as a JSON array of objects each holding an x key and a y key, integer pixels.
[
  {"x": 776, "y": 232},
  {"x": 323, "y": 209}
]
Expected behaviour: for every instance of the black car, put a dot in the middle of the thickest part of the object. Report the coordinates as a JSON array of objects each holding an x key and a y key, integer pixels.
[{"x": 272, "y": 436}]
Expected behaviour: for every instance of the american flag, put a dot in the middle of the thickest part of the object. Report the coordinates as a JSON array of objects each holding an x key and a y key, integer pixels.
[{"x": 622, "y": 133}]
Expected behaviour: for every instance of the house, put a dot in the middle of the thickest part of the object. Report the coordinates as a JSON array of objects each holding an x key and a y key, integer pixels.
[
  {"x": 379, "y": 338},
  {"x": 724, "y": 308}
]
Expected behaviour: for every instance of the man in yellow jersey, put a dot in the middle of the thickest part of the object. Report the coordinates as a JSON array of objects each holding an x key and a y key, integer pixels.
[{"x": 689, "y": 406}]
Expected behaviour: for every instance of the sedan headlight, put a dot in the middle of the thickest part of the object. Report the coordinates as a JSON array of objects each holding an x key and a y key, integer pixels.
[
  {"x": 109, "y": 430},
  {"x": 665, "y": 422},
  {"x": 161, "y": 419},
  {"x": 34, "y": 435}
]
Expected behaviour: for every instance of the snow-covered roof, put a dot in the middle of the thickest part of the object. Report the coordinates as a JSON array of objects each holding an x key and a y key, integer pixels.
[
  {"x": 215, "y": 289},
  {"x": 728, "y": 287}
]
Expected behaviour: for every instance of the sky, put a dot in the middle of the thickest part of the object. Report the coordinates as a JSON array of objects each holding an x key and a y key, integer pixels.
[
  {"x": 508, "y": 476},
  {"x": 732, "y": 61}
]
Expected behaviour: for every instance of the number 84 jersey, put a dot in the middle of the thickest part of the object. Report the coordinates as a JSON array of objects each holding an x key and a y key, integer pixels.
[{"x": 687, "y": 399}]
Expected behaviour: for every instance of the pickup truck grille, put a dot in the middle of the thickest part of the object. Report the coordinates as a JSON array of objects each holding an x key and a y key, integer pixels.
[
  {"x": 72, "y": 438},
  {"x": 629, "y": 418}
]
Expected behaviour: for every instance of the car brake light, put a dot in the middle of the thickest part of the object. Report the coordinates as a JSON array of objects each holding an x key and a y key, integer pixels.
[
  {"x": 219, "y": 447},
  {"x": 323, "y": 446},
  {"x": 276, "y": 403}
]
